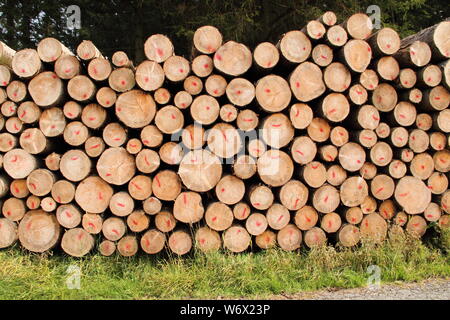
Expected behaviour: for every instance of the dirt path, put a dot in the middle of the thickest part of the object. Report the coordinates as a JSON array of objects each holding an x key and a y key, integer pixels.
[{"x": 436, "y": 289}]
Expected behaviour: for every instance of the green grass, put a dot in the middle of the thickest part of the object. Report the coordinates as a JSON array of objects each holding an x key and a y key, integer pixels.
[{"x": 29, "y": 276}]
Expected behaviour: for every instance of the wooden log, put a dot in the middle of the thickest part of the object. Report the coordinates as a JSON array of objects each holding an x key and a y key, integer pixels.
[
  {"x": 180, "y": 242},
  {"x": 176, "y": 68},
  {"x": 441, "y": 161},
  {"x": 369, "y": 79},
  {"x": 120, "y": 59},
  {"x": 5, "y": 75},
  {"x": 114, "y": 228},
  {"x": 424, "y": 121},
  {"x": 354, "y": 215},
  {"x": 75, "y": 165},
  {"x": 162, "y": 96},
  {"x": 352, "y": 156},
  {"x": 153, "y": 241},
  {"x": 336, "y": 175},
  {"x": 6, "y": 55},
  {"x": 18, "y": 163},
  {"x": 289, "y": 238},
  {"x": 436, "y": 98},
  {"x": 106, "y": 97},
  {"x": 63, "y": 191},
  {"x": 328, "y": 18},
  {"x": 158, "y": 48},
  {"x": 75, "y": 133},
  {"x": 188, "y": 207},
  {"x": 247, "y": 120},
  {"x": 7, "y": 142},
  {"x": 388, "y": 68},
  {"x": 275, "y": 168},
  {"x": 205, "y": 109},
  {"x": 337, "y": 77},
  {"x": 72, "y": 110},
  {"x": 202, "y": 66},
  {"x": 138, "y": 221},
  {"x": 165, "y": 221},
  {"x": 134, "y": 146},
  {"x": 433, "y": 212},
  {"x": 348, "y": 235},
  {"x": 260, "y": 197},
  {"x": 135, "y": 109},
  {"x": 38, "y": 231},
  {"x": 18, "y": 188},
  {"x": 228, "y": 113},
  {"x": 369, "y": 205},
  {"x": 122, "y": 79},
  {"x": 295, "y": 47},
  {"x": 429, "y": 76},
  {"x": 339, "y": 136},
  {"x": 46, "y": 89},
  {"x": 207, "y": 240},
  {"x": 236, "y": 239},
  {"x": 357, "y": 94},
  {"x": 14, "y": 209},
  {"x": 183, "y": 99},
  {"x": 326, "y": 199},
  {"x": 26, "y": 63},
  {"x": 240, "y": 92},
  {"x": 244, "y": 167},
  {"x": 121, "y": 204},
  {"x": 319, "y": 130},
  {"x": 416, "y": 226},
  {"x": 166, "y": 185},
  {"x": 314, "y": 174},
  {"x": 412, "y": 194},
  {"x": 277, "y": 130},
  {"x": 277, "y": 217},
  {"x": 383, "y": 130},
  {"x": 322, "y": 55},
  {"x": 16, "y": 91},
  {"x": 300, "y": 115},
  {"x": 77, "y": 242},
  {"x": 336, "y": 36},
  {"x": 219, "y": 216},
  {"x": 87, "y": 51},
  {"x": 435, "y": 36},
  {"x": 127, "y": 246},
  {"x": 437, "y": 140},
  {"x": 256, "y": 224},
  {"x": 386, "y": 41},
  {"x": 93, "y": 194},
  {"x": 415, "y": 54},
  {"x": 353, "y": 191},
  {"x": 14, "y": 126},
  {"x": 9, "y": 235},
  {"x": 99, "y": 69},
  {"x": 306, "y": 218},
  {"x": 67, "y": 67},
  {"x": 357, "y": 55},
  {"x": 399, "y": 137},
  {"x": 241, "y": 211},
  {"x": 335, "y": 107},
  {"x": 358, "y": 26},
  {"x": 397, "y": 169},
  {"x": 381, "y": 154},
  {"x": 152, "y": 205},
  {"x": 306, "y": 82},
  {"x": 382, "y": 187},
  {"x": 272, "y": 93},
  {"x": 266, "y": 56},
  {"x": 314, "y": 29},
  {"x": 215, "y": 85},
  {"x": 266, "y": 240},
  {"x": 373, "y": 228},
  {"x": 315, "y": 237},
  {"x": 107, "y": 248},
  {"x": 441, "y": 120},
  {"x": 230, "y": 190}
]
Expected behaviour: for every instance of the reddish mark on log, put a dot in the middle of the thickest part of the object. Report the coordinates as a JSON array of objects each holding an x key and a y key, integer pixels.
[
  {"x": 304, "y": 48},
  {"x": 358, "y": 161},
  {"x": 275, "y": 157},
  {"x": 95, "y": 146},
  {"x": 276, "y": 125},
  {"x": 360, "y": 187},
  {"x": 214, "y": 219},
  {"x": 257, "y": 204},
  {"x": 321, "y": 129},
  {"x": 323, "y": 57},
  {"x": 185, "y": 198},
  {"x": 379, "y": 190},
  {"x": 208, "y": 107},
  {"x": 67, "y": 70},
  {"x": 247, "y": 119},
  {"x": 173, "y": 116},
  {"x": 215, "y": 92},
  {"x": 243, "y": 212},
  {"x": 229, "y": 115},
  {"x": 147, "y": 243},
  {"x": 437, "y": 98},
  {"x": 58, "y": 198},
  {"x": 100, "y": 196},
  {"x": 80, "y": 235},
  {"x": 4, "y": 83},
  {"x": 123, "y": 82},
  {"x": 23, "y": 114},
  {"x": 224, "y": 136},
  {"x": 279, "y": 218},
  {"x": 28, "y": 136},
  {"x": 422, "y": 167},
  {"x": 33, "y": 185},
  {"x": 403, "y": 194},
  {"x": 332, "y": 111},
  {"x": 267, "y": 90},
  {"x": 181, "y": 70},
  {"x": 430, "y": 187},
  {"x": 29, "y": 226},
  {"x": 381, "y": 158},
  {"x": 368, "y": 49},
  {"x": 326, "y": 199},
  {"x": 116, "y": 139},
  {"x": 218, "y": 57},
  {"x": 329, "y": 224},
  {"x": 74, "y": 158},
  {"x": 374, "y": 117},
  {"x": 202, "y": 241},
  {"x": 134, "y": 184},
  {"x": 314, "y": 167},
  {"x": 222, "y": 190},
  {"x": 157, "y": 181},
  {"x": 16, "y": 127},
  {"x": 32, "y": 205},
  {"x": 115, "y": 231},
  {"x": 146, "y": 79},
  {"x": 206, "y": 66},
  {"x": 299, "y": 152},
  {"x": 442, "y": 160},
  {"x": 258, "y": 224},
  {"x": 8, "y": 213},
  {"x": 121, "y": 205},
  {"x": 134, "y": 222},
  {"x": 16, "y": 189},
  {"x": 77, "y": 132},
  {"x": 367, "y": 138},
  {"x": 297, "y": 84},
  {"x": 52, "y": 126},
  {"x": 353, "y": 219}
]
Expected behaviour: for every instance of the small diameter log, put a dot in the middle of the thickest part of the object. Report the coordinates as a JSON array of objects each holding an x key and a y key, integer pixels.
[
  {"x": 207, "y": 39},
  {"x": 387, "y": 68},
  {"x": 436, "y": 98},
  {"x": 348, "y": 235},
  {"x": 289, "y": 238},
  {"x": 353, "y": 191},
  {"x": 120, "y": 59},
  {"x": 275, "y": 168},
  {"x": 441, "y": 161},
  {"x": 205, "y": 109},
  {"x": 46, "y": 89},
  {"x": 158, "y": 48},
  {"x": 357, "y": 94},
  {"x": 121, "y": 204},
  {"x": 140, "y": 187},
  {"x": 387, "y": 209},
  {"x": 247, "y": 120},
  {"x": 228, "y": 113},
  {"x": 272, "y": 93},
  {"x": 188, "y": 207},
  {"x": 326, "y": 199},
  {"x": 127, "y": 246},
  {"x": 134, "y": 146},
  {"x": 13, "y": 125},
  {"x": 215, "y": 86},
  {"x": 416, "y": 226},
  {"x": 430, "y": 75},
  {"x": 339, "y": 136},
  {"x": 230, "y": 190},
  {"x": 94, "y": 146},
  {"x": 314, "y": 174},
  {"x": 442, "y": 120},
  {"x": 67, "y": 67},
  {"x": 337, "y": 77},
  {"x": 26, "y": 63},
  {"x": 7, "y": 142},
  {"x": 436, "y": 37},
  {"x": 18, "y": 188},
  {"x": 99, "y": 69},
  {"x": 336, "y": 175},
  {"x": 202, "y": 66},
  {"x": 293, "y": 195},
  {"x": 169, "y": 119},
  {"x": 383, "y": 130},
  {"x": 241, "y": 211},
  {"x": 153, "y": 241},
  {"x": 336, "y": 36},
  {"x": 121, "y": 79},
  {"x": 106, "y": 97},
  {"x": 399, "y": 137},
  {"x": 352, "y": 156},
  {"x": 397, "y": 169},
  {"x": 373, "y": 228},
  {"x": 322, "y": 55},
  {"x": 87, "y": 51},
  {"x": 277, "y": 217},
  {"x": 9, "y": 235},
  {"x": 63, "y": 191},
  {"x": 68, "y": 216},
  {"x": 319, "y": 130},
  {"x": 176, "y": 68},
  {"x": 358, "y": 26},
  {"x": 193, "y": 136},
  {"x": 236, "y": 239},
  {"x": 16, "y": 91},
  {"x": 92, "y": 223},
  {"x": 113, "y": 228},
  {"x": 138, "y": 221},
  {"x": 306, "y": 82},
  {"x": 414, "y": 95},
  {"x": 107, "y": 248},
  {"x": 40, "y": 182},
  {"x": 162, "y": 96},
  {"x": 415, "y": 54},
  {"x": 357, "y": 55},
  {"x": 219, "y": 216},
  {"x": 135, "y": 109},
  {"x": 328, "y": 18},
  {"x": 368, "y": 171},
  {"x": 306, "y": 218},
  {"x": 165, "y": 221},
  {"x": 369, "y": 79},
  {"x": 50, "y": 49},
  {"x": 166, "y": 185},
  {"x": 38, "y": 231},
  {"x": 315, "y": 237},
  {"x": 382, "y": 187},
  {"x": 76, "y": 133},
  {"x": 240, "y": 92},
  {"x": 335, "y": 107},
  {"x": 52, "y": 161},
  {"x": 354, "y": 215},
  {"x": 72, "y": 110},
  {"x": 277, "y": 130},
  {"x": 149, "y": 76},
  {"x": 114, "y": 135},
  {"x": 300, "y": 115},
  {"x": 437, "y": 140},
  {"x": 385, "y": 42},
  {"x": 244, "y": 167},
  {"x": 256, "y": 224},
  {"x": 295, "y": 46},
  {"x": 433, "y": 212},
  {"x": 418, "y": 141},
  {"x": 180, "y": 242},
  {"x": 33, "y": 202},
  {"x": 266, "y": 56},
  {"x": 407, "y": 78},
  {"x": 412, "y": 194},
  {"x": 314, "y": 29},
  {"x": 260, "y": 197},
  {"x": 182, "y": 99},
  {"x": 381, "y": 154},
  {"x": 207, "y": 240},
  {"x": 5, "y": 75},
  {"x": 77, "y": 242},
  {"x": 14, "y": 209}
]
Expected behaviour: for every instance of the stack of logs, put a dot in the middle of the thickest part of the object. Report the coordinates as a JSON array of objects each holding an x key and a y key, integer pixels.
[{"x": 337, "y": 134}]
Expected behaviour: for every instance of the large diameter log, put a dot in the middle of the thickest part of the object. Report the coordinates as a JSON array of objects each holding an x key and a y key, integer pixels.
[
  {"x": 149, "y": 75},
  {"x": 233, "y": 59},
  {"x": 385, "y": 42},
  {"x": 46, "y": 89},
  {"x": 272, "y": 93},
  {"x": 81, "y": 88},
  {"x": 38, "y": 231},
  {"x": 153, "y": 241},
  {"x": 207, "y": 39},
  {"x": 373, "y": 228},
  {"x": 236, "y": 239},
  {"x": 359, "y": 26},
  {"x": 357, "y": 54},
  {"x": 18, "y": 163},
  {"x": 266, "y": 55},
  {"x": 200, "y": 170},
  {"x": 135, "y": 108},
  {"x": 26, "y": 63},
  {"x": 77, "y": 242},
  {"x": 436, "y": 37},
  {"x": 93, "y": 195},
  {"x": 306, "y": 82},
  {"x": 412, "y": 194},
  {"x": 275, "y": 168},
  {"x": 295, "y": 46},
  {"x": 415, "y": 54}
]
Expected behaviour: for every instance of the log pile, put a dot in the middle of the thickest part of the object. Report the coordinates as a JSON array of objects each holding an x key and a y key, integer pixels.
[{"x": 337, "y": 134}]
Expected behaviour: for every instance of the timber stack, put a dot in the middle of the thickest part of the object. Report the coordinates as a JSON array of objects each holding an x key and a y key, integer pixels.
[{"x": 337, "y": 134}]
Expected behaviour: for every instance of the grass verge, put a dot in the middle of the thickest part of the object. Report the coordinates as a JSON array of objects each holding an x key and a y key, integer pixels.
[{"x": 252, "y": 275}]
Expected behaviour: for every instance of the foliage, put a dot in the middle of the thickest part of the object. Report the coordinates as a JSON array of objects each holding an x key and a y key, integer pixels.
[{"x": 124, "y": 25}]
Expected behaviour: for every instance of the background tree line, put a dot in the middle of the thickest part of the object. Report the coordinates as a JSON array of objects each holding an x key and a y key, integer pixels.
[{"x": 125, "y": 24}]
